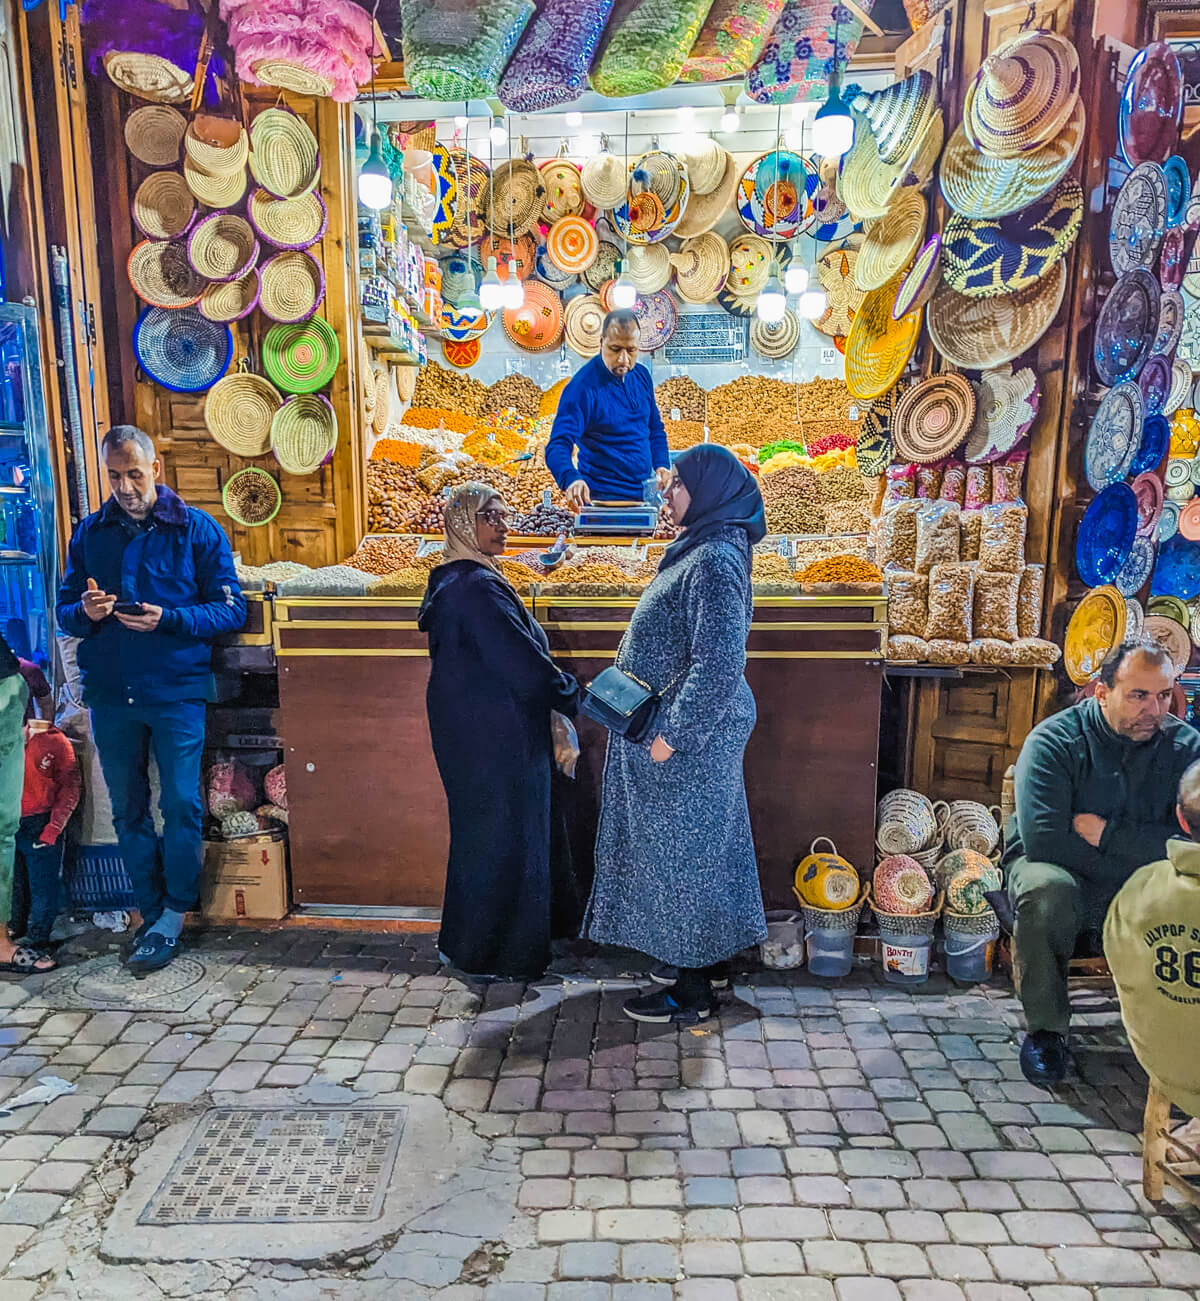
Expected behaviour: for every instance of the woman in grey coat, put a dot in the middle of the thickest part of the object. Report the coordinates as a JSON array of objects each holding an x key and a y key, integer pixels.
[{"x": 676, "y": 875}]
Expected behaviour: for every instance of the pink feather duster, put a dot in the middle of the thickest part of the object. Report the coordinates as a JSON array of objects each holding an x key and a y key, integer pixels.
[{"x": 330, "y": 38}]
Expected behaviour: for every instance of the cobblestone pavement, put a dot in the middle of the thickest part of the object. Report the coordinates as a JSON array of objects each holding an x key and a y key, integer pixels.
[{"x": 859, "y": 1143}]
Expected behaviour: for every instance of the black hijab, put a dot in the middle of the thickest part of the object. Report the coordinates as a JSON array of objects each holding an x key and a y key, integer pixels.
[{"x": 723, "y": 492}]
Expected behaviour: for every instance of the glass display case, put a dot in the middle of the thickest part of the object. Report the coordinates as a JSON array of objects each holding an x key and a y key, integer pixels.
[{"x": 28, "y": 546}]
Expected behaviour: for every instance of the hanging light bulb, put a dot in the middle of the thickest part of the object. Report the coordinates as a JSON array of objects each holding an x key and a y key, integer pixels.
[
  {"x": 813, "y": 301},
  {"x": 730, "y": 119},
  {"x": 514, "y": 290},
  {"x": 491, "y": 289},
  {"x": 772, "y": 301},
  {"x": 624, "y": 291},
  {"x": 795, "y": 278},
  {"x": 497, "y": 134},
  {"x": 374, "y": 180},
  {"x": 833, "y": 127},
  {"x": 574, "y": 118}
]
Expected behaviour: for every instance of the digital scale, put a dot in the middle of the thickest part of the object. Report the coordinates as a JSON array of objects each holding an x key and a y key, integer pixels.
[{"x": 616, "y": 519}]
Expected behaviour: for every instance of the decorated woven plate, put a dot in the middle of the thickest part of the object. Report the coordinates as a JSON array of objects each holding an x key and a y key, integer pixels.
[
  {"x": 979, "y": 333},
  {"x": 835, "y": 274},
  {"x": 988, "y": 258},
  {"x": 1156, "y": 436},
  {"x": 583, "y": 321},
  {"x": 1176, "y": 641},
  {"x": 1006, "y": 405},
  {"x": 1179, "y": 189},
  {"x": 180, "y": 349},
  {"x": 604, "y": 267},
  {"x": 463, "y": 323},
  {"x": 284, "y": 158},
  {"x": 238, "y": 411},
  {"x": 547, "y": 271},
  {"x": 657, "y": 317},
  {"x": 522, "y": 251},
  {"x": 461, "y": 353},
  {"x": 874, "y": 447},
  {"x": 1172, "y": 258},
  {"x": 773, "y": 196},
  {"x": 537, "y": 324},
  {"x": 1177, "y": 572},
  {"x": 1170, "y": 328},
  {"x": 468, "y": 227},
  {"x": 1096, "y": 627},
  {"x": 878, "y": 348},
  {"x": 1148, "y": 490},
  {"x": 669, "y": 187},
  {"x": 1151, "y": 106},
  {"x": 832, "y": 220},
  {"x": 572, "y": 244},
  {"x": 1139, "y": 219},
  {"x": 1134, "y": 574},
  {"x": 1126, "y": 327},
  {"x": 445, "y": 194},
  {"x": 921, "y": 280},
  {"x": 513, "y": 199},
  {"x": 1181, "y": 386},
  {"x": 933, "y": 418},
  {"x": 301, "y": 358},
  {"x": 1154, "y": 380},
  {"x": 892, "y": 241},
  {"x": 778, "y": 340},
  {"x": 1106, "y": 534},
  {"x": 564, "y": 190}
]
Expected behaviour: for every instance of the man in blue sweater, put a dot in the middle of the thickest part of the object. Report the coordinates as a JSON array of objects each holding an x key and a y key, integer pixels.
[
  {"x": 608, "y": 414},
  {"x": 150, "y": 583}
]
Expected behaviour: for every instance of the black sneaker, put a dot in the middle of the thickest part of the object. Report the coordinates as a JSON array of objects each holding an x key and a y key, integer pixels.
[
  {"x": 153, "y": 954},
  {"x": 662, "y": 1008},
  {"x": 665, "y": 975},
  {"x": 1044, "y": 1058}
]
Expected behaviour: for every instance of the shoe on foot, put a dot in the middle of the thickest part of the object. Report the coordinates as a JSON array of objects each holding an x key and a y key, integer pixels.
[
  {"x": 666, "y": 976},
  {"x": 153, "y": 954},
  {"x": 1044, "y": 1057},
  {"x": 662, "y": 1008}
]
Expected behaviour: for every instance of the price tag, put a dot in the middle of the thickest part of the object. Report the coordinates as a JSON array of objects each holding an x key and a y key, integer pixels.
[
  {"x": 828, "y": 356},
  {"x": 446, "y": 493},
  {"x": 546, "y": 499},
  {"x": 782, "y": 548},
  {"x": 675, "y": 414}
]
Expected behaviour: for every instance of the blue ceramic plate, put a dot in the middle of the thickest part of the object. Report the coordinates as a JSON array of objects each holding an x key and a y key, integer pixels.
[
  {"x": 1168, "y": 521},
  {"x": 1136, "y": 570},
  {"x": 1179, "y": 189},
  {"x": 1114, "y": 436},
  {"x": 1151, "y": 105},
  {"x": 1156, "y": 436},
  {"x": 1127, "y": 326},
  {"x": 1178, "y": 570},
  {"x": 1106, "y": 535}
]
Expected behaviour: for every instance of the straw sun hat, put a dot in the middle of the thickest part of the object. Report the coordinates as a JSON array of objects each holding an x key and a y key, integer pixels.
[
  {"x": 1022, "y": 95},
  {"x": 898, "y": 114},
  {"x": 583, "y": 321},
  {"x": 603, "y": 180},
  {"x": 701, "y": 265},
  {"x": 703, "y": 211},
  {"x": 705, "y": 163},
  {"x": 892, "y": 240},
  {"x": 648, "y": 266}
]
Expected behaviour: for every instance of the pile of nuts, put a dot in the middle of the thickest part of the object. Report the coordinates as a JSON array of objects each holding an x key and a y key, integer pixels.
[
  {"x": 543, "y": 521},
  {"x": 841, "y": 484},
  {"x": 768, "y": 400},
  {"x": 683, "y": 395},
  {"x": 396, "y": 502},
  {"x": 439, "y": 387},
  {"x": 383, "y": 555},
  {"x": 682, "y": 434},
  {"x": 516, "y": 392},
  {"x": 822, "y": 400}
]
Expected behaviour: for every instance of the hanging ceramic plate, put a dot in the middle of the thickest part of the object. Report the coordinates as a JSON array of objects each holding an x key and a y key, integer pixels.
[
  {"x": 1172, "y": 262},
  {"x": 1156, "y": 434},
  {"x": 1135, "y": 572},
  {"x": 657, "y": 317},
  {"x": 1179, "y": 189},
  {"x": 1155, "y": 382},
  {"x": 445, "y": 193},
  {"x": 1189, "y": 520},
  {"x": 773, "y": 197},
  {"x": 1188, "y": 347},
  {"x": 1106, "y": 534},
  {"x": 1126, "y": 327},
  {"x": 1173, "y": 638},
  {"x": 1178, "y": 474},
  {"x": 1181, "y": 386},
  {"x": 1114, "y": 436},
  {"x": 1148, "y": 490},
  {"x": 1135, "y": 619},
  {"x": 1151, "y": 106},
  {"x": 1170, "y": 326},
  {"x": 1139, "y": 219},
  {"x": 832, "y": 220},
  {"x": 1168, "y": 521},
  {"x": 1177, "y": 572},
  {"x": 1097, "y": 625},
  {"x": 1170, "y": 607}
]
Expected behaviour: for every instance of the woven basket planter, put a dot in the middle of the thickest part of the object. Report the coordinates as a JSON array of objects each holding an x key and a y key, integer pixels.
[{"x": 251, "y": 498}]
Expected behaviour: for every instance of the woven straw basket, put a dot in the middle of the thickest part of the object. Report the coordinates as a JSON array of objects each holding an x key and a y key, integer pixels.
[
  {"x": 217, "y": 144},
  {"x": 304, "y": 433},
  {"x": 223, "y": 246},
  {"x": 230, "y": 300},
  {"x": 293, "y": 284},
  {"x": 213, "y": 189},
  {"x": 160, "y": 273},
  {"x": 288, "y": 223},
  {"x": 153, "y": 134},
  {"x": 163, "y": 206},
  {"x": 238, "y": 411},
  {"x": 284, "y": 158},
  {"x": 251, "y": 497}
]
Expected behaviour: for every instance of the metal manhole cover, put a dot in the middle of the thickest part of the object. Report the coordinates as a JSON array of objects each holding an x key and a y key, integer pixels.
[
  {"x": 266, "y": 1165},
  {"x": 104, "y": 984}
]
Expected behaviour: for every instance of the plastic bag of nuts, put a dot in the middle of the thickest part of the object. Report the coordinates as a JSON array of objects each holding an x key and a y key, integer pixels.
[
  {"x": 995, "y": 613},
  {"x": 929, "y": 481},
  {"x": 1034, "y": 652},
  {"x": 937, "y": 535},
  {"x": 896, "y": 536},
  {"x": 970, "y": 525},
  {"x": 1007, "y": 478},
  {"x": 954, "y": 483},
  {"x": 908, "y": 596},
  {"x": 978, "y": 490},
  {"x": 913, "y": 650},
  {"x": 951, "y": 596},
  {"x": 901, "y": 484},
  {"x": 1029, "y": 600},
  {"x": 943, "y": 651},
  {"x": 1002, "y": 537},
  {"x": 989, "y": 650}
]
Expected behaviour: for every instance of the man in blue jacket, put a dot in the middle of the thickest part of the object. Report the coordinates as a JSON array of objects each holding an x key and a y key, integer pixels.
[{"x": 150, "y": 583}]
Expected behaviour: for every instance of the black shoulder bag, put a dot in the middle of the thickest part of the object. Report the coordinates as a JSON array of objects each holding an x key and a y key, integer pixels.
[{"x": 624, "y": 704}]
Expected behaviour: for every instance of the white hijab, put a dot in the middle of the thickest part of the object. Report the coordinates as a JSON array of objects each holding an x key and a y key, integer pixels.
[{"x": 464, "y": 504}]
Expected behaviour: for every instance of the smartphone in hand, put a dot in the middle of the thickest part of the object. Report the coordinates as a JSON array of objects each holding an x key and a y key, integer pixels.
[{"x": 129, "y": 607}]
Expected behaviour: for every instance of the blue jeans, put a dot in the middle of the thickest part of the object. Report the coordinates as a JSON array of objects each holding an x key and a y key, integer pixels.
[
  {"x": 124, "y": 736},
  {"x": 36, "y": 881}
]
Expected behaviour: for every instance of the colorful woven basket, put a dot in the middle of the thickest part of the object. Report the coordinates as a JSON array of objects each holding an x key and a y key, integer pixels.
[
  {"x": 304, "y": 433},
  {"x": 251, "y": 497},
  {"x": 900, "y": 885},
  {"x": 826, "y": 880},
  {"x": 161, "y": 275},
  {"x": 163, "y": 206},
  {"x": 284, "y": 158},
  {"x": 230, "y": 300},
  {"x": 731, "y": 39},
  {"x": 153, "y": 134},
  {"x": 572, "y": 244},
  {"x": 222, "y": 246},
  {"x": 180, "y": 350},
  {"x": 1023, "y": 94},
  {"x": 238, "y": 411},
  {"x": 892, "y": 241},
  {"x": 459, "y": 54},
  {"x": 878, "y": 348},
  {"x": 979, "y": 333},
  {"x": 646, "y": 45},
  {"x": 933, "y": 418},
  {"x": 301, "y": 358},
  {"x": 965, "y": 875},
  {"x": 293, "y": 284}
]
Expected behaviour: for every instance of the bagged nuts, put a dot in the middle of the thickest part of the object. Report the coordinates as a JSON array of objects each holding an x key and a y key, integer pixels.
[
  {"x": 988, "y": 650},
  {"x": 996, "y": 605},
  {"x": 912, "y": 649},
  {"x": 1034, "y": 652},
  {"x": 1002, "y": 538},
  {"x": 970, "y": 525},
  {"x": 951, "y": 595},
  {"x": 1029, "y": 600},
  {"x": 908, "y": 610},
  {"x": 942, "y": 651},
  {"x": 896, "y": 536},
  {"x": 937, "y": 535}
]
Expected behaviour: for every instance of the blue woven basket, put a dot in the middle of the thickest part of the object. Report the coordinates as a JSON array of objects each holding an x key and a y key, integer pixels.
[{"x": 96, "y": 879}]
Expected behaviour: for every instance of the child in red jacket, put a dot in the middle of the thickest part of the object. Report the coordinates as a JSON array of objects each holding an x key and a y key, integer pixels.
[{"x": 51, "y": 793}]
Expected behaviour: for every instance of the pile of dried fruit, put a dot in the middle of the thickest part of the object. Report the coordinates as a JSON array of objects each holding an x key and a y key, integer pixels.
[
  {"x": 841, "y": 484},
  {"x": 398, "y": 503},
  {"x": 823, "y": 399},
  {"x": 450, "y": 389},
  {"x": 407, "y": 581},
  {"x": 516, "y": 392},
  {"x": 841, "y": 569},
  {"x": 437, "y": 418},
  {"x": 543, "y": 521},
  {"x": 402, "y": 453},
  {"x": 383, "y": 555},
  {"x": 684, "y": 395},
  {"x": 767, "y": 400}
]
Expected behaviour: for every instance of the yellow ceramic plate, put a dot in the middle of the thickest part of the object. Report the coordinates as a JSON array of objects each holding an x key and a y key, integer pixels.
[
  {"x": 1097, "y": 625},
  {"x": 878, "y": 348}
]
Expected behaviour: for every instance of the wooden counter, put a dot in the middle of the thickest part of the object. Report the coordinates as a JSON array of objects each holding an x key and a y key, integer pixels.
[{"x": 368, "y": 815}]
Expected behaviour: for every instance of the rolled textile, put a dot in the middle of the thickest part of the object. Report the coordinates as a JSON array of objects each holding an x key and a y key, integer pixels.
[
  {"x": 457, "y": 49},
  {"x": 554, "y": 56},
  {"x": 731, "y": 39},
  {"x": 799, "y": 58},
  {"x": 646, "y": 44}
]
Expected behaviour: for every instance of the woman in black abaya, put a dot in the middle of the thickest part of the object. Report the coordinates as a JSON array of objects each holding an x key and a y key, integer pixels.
[{"x": 492, "y": 691}]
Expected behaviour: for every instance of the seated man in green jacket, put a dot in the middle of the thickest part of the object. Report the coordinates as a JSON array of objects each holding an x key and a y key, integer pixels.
[
  {"x": 1152, "y": 943},
  {"x": 1095, "y": 798}
]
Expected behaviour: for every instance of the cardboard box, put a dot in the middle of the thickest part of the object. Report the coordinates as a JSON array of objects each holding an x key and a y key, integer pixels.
[{"x": 245, "y": 878}]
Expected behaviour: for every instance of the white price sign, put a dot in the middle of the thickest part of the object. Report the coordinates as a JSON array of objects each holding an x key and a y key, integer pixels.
[{"x": 828, "y": 356}]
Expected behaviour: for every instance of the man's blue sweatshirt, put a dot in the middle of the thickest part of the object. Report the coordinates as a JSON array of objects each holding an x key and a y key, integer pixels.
[{"x": 614, "y": 426}]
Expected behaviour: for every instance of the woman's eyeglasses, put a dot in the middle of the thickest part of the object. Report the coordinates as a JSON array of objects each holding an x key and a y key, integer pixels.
[{"x": 493, "y": 515}]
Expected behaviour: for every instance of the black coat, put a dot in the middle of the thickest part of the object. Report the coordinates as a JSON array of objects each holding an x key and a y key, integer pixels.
[{"x": 492, "y": 687}]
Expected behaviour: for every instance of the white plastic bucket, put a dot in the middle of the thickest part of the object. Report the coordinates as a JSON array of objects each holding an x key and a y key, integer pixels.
[{"x": 783, "y": 949}]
